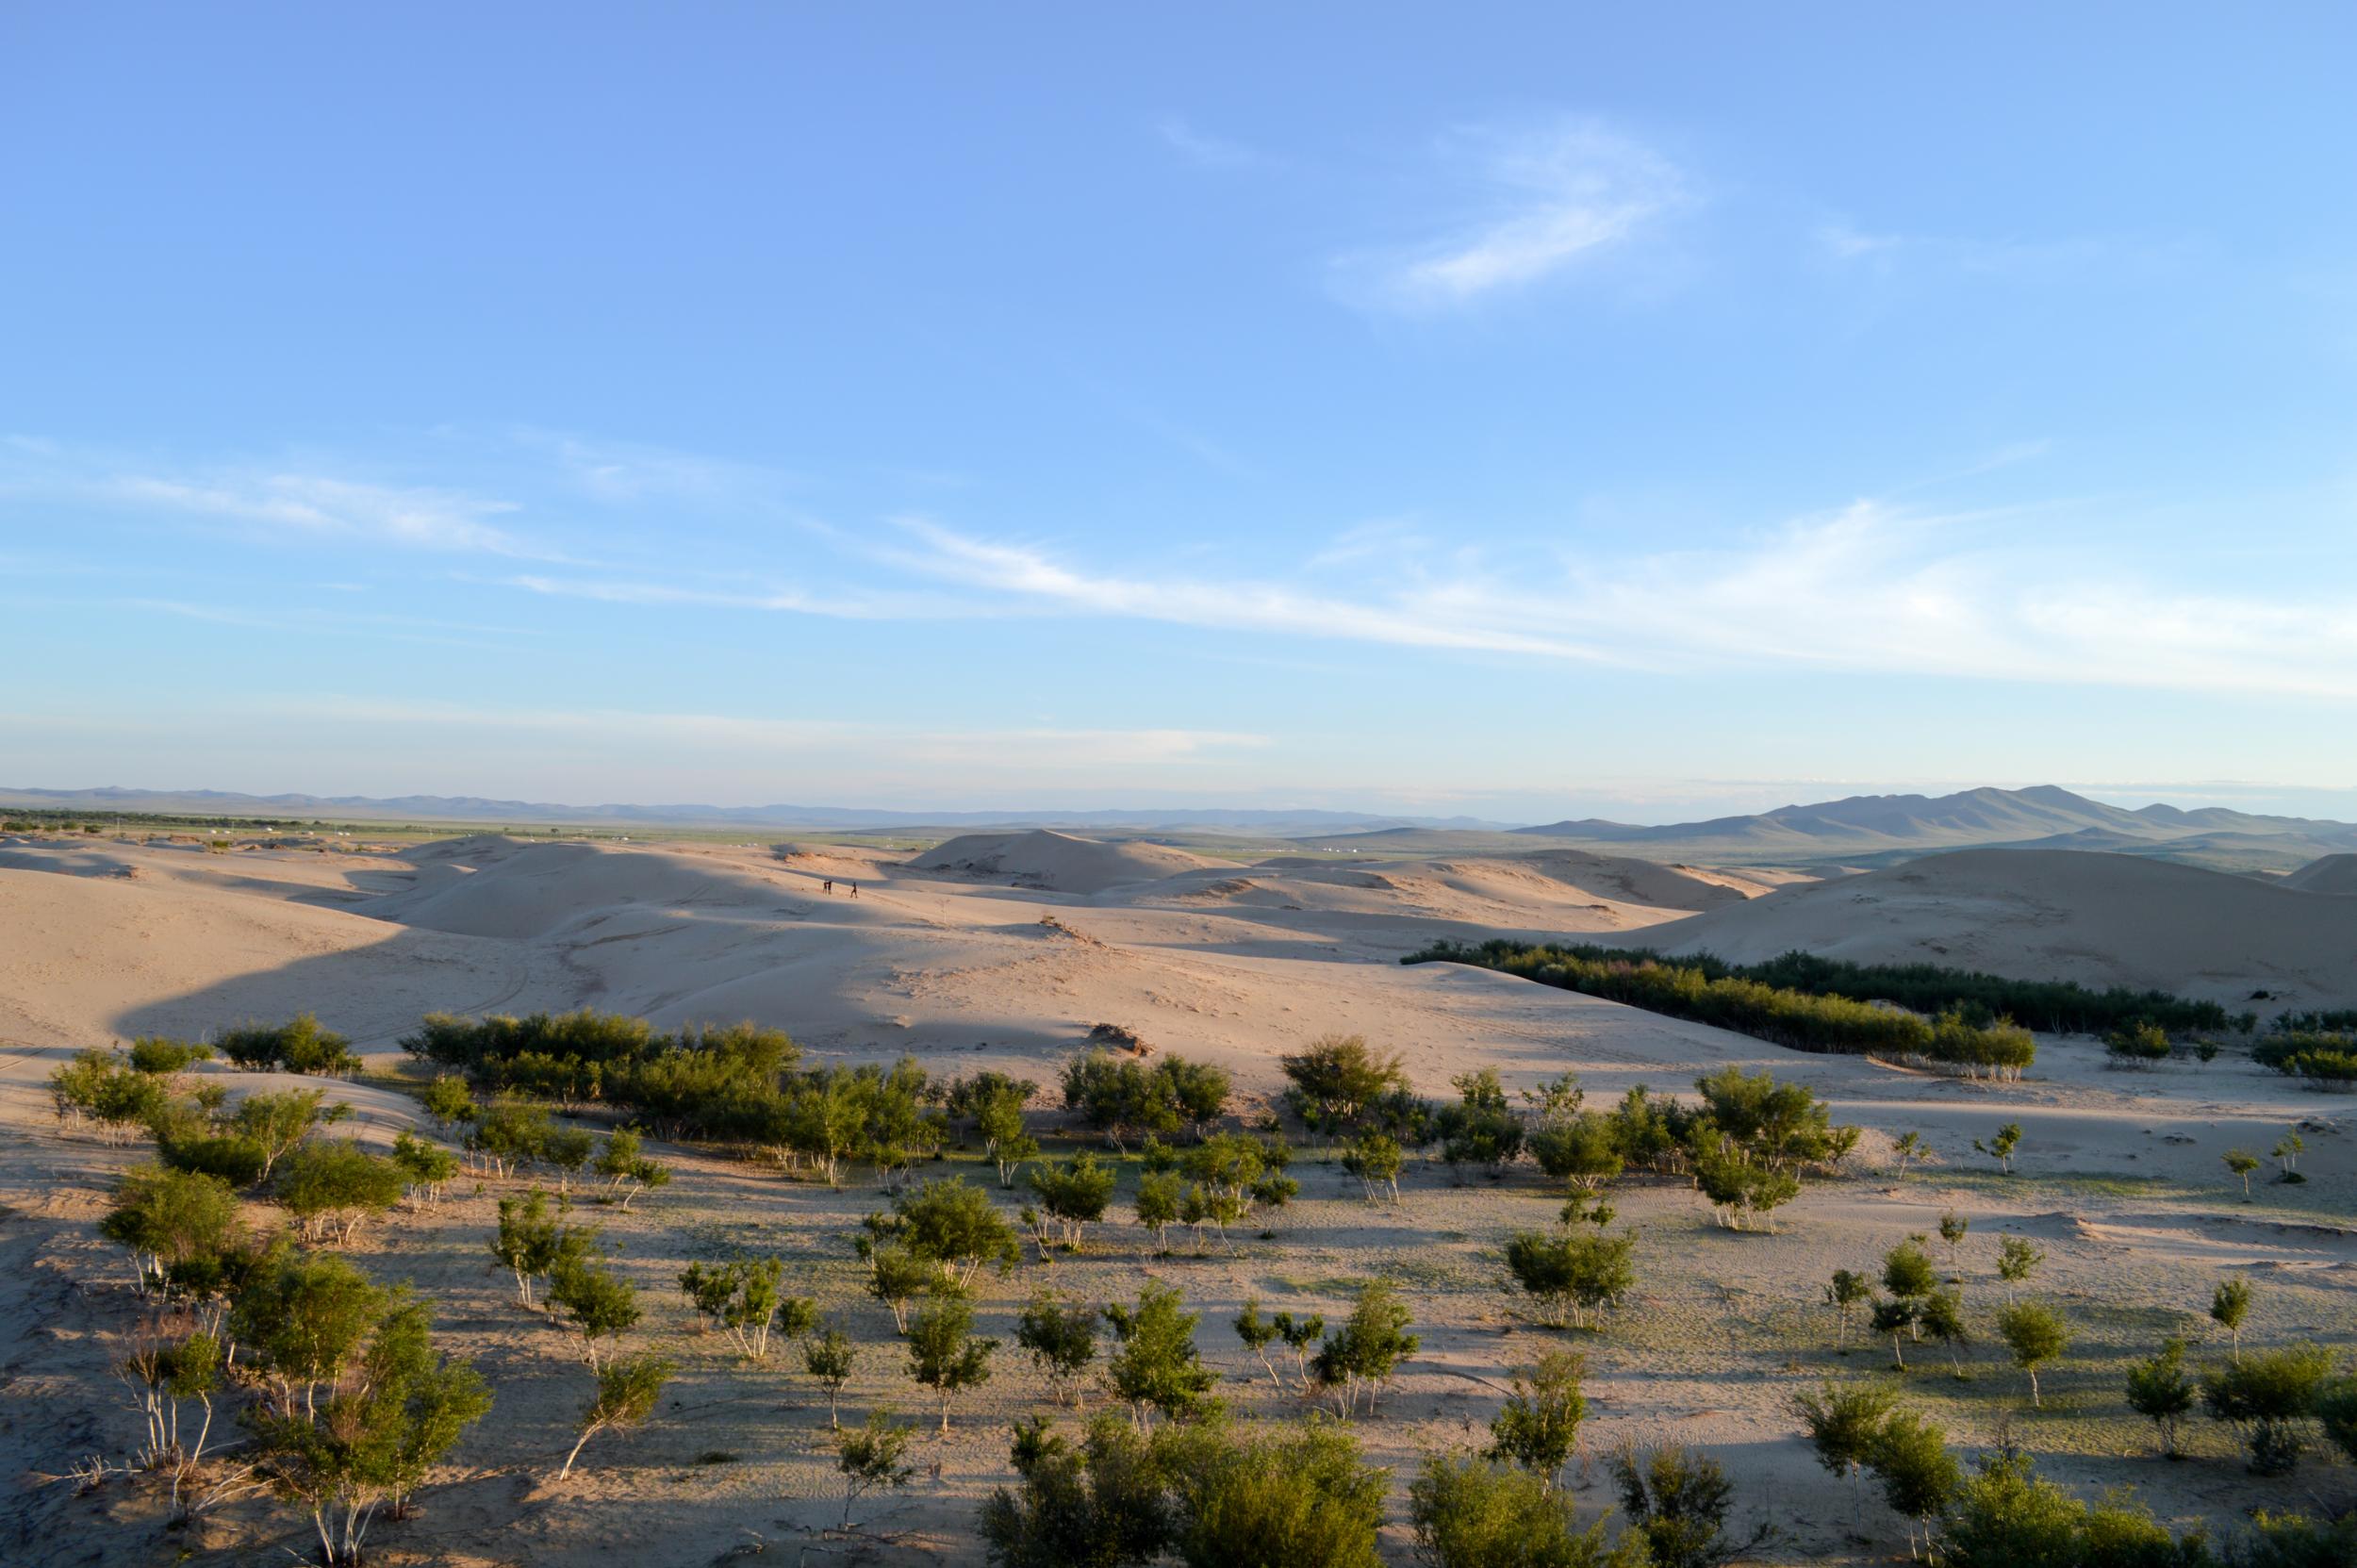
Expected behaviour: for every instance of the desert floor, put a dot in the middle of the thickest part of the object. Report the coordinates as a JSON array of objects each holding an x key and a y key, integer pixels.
[{"x": 2119, "y": 1177}]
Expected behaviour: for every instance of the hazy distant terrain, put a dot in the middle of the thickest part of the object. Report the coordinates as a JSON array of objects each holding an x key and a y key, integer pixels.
[{"x": 1858, "y": 832}]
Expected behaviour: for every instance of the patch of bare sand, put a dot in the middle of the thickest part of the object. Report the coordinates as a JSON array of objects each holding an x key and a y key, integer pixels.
[
  {"x": 2100, "y": 920},
  {"x": 1056, "y": 861},
  {"x": 2119, "y": 1180}
]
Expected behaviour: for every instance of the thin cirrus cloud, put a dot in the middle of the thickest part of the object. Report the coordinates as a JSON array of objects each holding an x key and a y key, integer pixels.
[
  {"x": 1537, "y": 202},
  {"x": 1203, "y": 148},
  {"x": 1869, "y": 588},
  {"x": 741, "y": 734},
  {"x": 291, "y": 501},
  {"x": 320, "y": 505}
]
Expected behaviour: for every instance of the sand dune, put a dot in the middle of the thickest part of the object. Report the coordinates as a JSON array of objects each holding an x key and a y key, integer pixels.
[
  {"x": 1056, "y": 861},
  {"x": 1555, "y": 891},
  {"x": 1233, "y": 965},
  {"x": 2330, "y": 874},
  {"x": 2058, "y": 915}
]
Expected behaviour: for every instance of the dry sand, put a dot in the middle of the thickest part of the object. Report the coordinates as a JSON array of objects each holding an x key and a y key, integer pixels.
[
  {"x": 2328, "y": 874},
  {"x": 2100, "y": 920},
  {"x": 2120, "y": 1180}
]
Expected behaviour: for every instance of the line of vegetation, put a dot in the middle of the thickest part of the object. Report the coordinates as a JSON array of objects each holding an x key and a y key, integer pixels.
[
  {"x": 1974, "y": 1042},
  {"x": 2325, "y": 1061}
]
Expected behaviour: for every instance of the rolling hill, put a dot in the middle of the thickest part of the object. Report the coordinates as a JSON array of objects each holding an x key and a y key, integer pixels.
[{"x": 1873, "y": 829}]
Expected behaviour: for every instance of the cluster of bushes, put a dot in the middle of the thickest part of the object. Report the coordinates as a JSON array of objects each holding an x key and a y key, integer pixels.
[
  {"x": 2326, "y": 1060},
  {"x": 2057, "y": 1006},
  {"x": 1123, "y": 1098},
  {"x": 1215, "y": 1492},
  {"x": 739, "y": 1083},
  {"x": 1745, "y": 1145},
  {"x": 2336, "y": 1020},
  {"x": 2002, "y": 1514},
  {"x": 298, "y": 1046},
  {"x": 345, "y": 1401},
  {"x": 687, "y": 1079},
  {"x": 1712, "y": 993}
]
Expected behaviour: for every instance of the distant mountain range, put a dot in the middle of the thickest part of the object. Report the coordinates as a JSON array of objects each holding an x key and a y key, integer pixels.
[
  {"x": 474, "y": 809},
  {"x": 1869, "y": 830},
  {"x": 1862, "y": 830}
]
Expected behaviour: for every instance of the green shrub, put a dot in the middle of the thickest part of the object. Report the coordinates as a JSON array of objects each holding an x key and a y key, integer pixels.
[
  {"x": 1470, "y": 1513},
  {"x": 298, "y": 1046},
  {"x": 154, "y": 1054},
  {"x": 2138, "y": 1043},
  {"x": 332, "y": 1184},
  {"x": 2269, "y": 1395},
  {"x": 1572, "y": 1277}
]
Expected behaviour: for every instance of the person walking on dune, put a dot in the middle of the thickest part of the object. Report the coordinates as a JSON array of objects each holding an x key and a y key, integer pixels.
[
  {"x": 855, "y": 891},
  {"x": 829, "y": 885}
]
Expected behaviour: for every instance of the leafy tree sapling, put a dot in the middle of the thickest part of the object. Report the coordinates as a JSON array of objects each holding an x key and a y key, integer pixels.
[
  {"x": 957, "y": 1228},
  {"x": 1301, "y": 1335},
  {"x": 1161, "y": 1200},
  {"x": 1363, "y": 1354},
  {"x": 628, "y": 1169},
  {"x": 448, "y": 1102},
  {"x": 1918, "y": 1475},
  {"x": 1845, "y": 1422},
  {"x": 2161, "y": 1391},
  {"x": 1073, "y": 1194},
  {"x": 943, "y": 1353},
  {"x": 601, "y": 1304},
  {"x": 2241, "y": 1161},
  {"x": 567, "y": 1150},
  {"x": 1375, "y": 1158},
  {"x": 1953, "y": 1227},
  {"x": 2229, "y": 1305},
  {"x": 1942, "y": 1320},
  {"x": 1539, "y": 1426},
  {"x": 628, "y": 1387},
  {"x": 330, "y": 1185},
  {"x": 2035, "y": 1334},
  {"x": 371, "y": 1425},
  {"x": 166, "y": 1218},
  {"x": 1573, "y": 1278},
  {"x": 425, "y": 1168},
  {"x": 872, "y": 1457},
  {"x": 2017, "y": 1260},
  {"x": 1156, "y": 1366},
  {"x": 1337, "y": 1081},
  {"x": 2000, "y": 1146},
  {"x": 829, "y": 1356},
  {"x": 1060, "y": 1337},
  {"x": 1677, "y": 1501},
  {"x": 1845, "y": 1293}
]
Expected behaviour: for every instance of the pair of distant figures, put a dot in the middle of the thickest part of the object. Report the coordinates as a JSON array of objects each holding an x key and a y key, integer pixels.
[{"x": 829, "y": 885}]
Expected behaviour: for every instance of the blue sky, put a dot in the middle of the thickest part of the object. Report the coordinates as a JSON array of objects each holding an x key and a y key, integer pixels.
[{"x": 1512, "y": 411}]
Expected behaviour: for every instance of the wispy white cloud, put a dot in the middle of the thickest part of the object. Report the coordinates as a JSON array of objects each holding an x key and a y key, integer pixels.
[
  {"x": 742, "y": 733},
  {"x": 1870, "y": 588},
  {"x": 837, "y": 602},
  {"x": 1201, "y": 147},
  {"x": 1030, "y": 574},
  {"x": 1540, "y": 201},
  {"x": 321, "y": 501},
  {"x": 626, "y": 472},
  {"x": 1853, "y": 247},
  {"x": 330, "y": 508}
]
